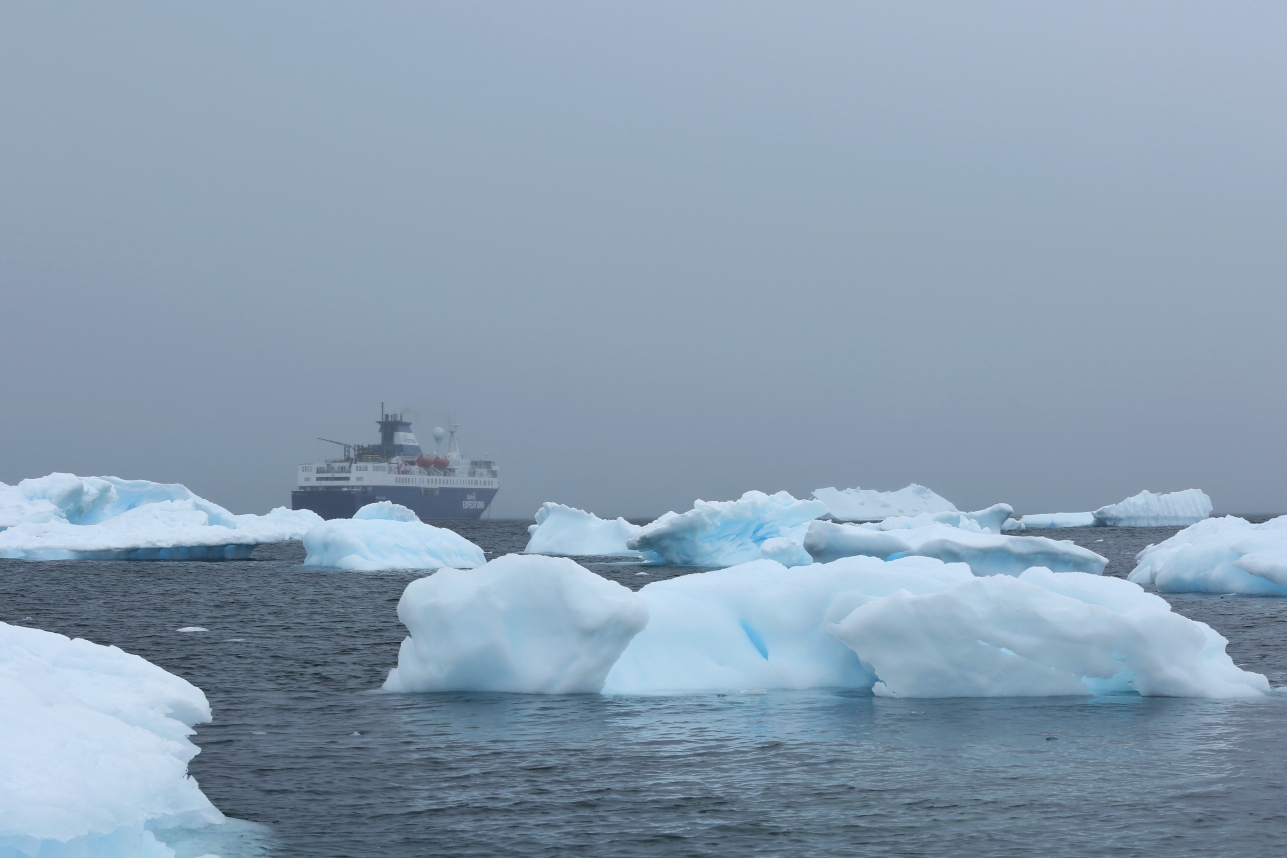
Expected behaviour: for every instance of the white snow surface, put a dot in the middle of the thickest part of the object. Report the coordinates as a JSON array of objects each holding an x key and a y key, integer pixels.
[
  {"x": 868, "y": 505},
  {"x": 1052, "y": 520},
  {"x": 724, "y": 533},
  {"x": 568, "y": 531},
  {"x": 1040, "y": 634},
  {"x": 386, "y": 536},
  {"x": 988, "y": 520},
  {"x": 1218, "y": 555},
  {"x": 521, "y": 623},
  {"x": 1149, "y": 510},
  {"x": 93, "y": 749},
  {"x": 985, "y": 553},
  {"x": 66, "y": 517}
]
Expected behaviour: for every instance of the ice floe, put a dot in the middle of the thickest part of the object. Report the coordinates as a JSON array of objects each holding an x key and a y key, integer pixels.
[
  {"x": 520, "y": 623},
  {"x": 387, "y": 536},
  {"x": 65, "y": 517},
  {"x": 869, "y": 505},
  {"x": 988, "y": 520},
  {"x": 1149, "y": 510},
  {"x": 723, "y": 533},
  {"x": 1051, "y": 520},
  {"x": 985, "y": 553},
  {"x": 93, "y": 749},
  {"x": 567, "y": 531},
  {"x": 1218, "y": 555}
]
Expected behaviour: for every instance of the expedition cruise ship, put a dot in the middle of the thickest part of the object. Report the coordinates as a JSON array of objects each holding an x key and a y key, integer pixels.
[{"x": 444, "y": 485}]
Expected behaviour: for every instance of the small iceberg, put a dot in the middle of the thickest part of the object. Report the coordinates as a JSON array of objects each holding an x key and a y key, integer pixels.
[
  {"x": 724, "y": 533},
  {"x": 529, "y": 624},
  {"x": 990, "y": 520},
  {"x": 66, "y": 517},
  {"x": 387, "y": 536},
  {"x": 1052, "y": 520},
  {"x": 985, "y": 553},
  {"x": 867, "y": 505},
  {"x": 1149, "y": 510},
  {"x": 1218, "y": 555},
  {"x": 568, "y": 531},
  {"x": 94, "y": 750}
]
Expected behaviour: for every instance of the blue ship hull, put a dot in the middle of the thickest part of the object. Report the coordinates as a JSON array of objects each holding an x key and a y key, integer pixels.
[{"x": 441, "y": 504}]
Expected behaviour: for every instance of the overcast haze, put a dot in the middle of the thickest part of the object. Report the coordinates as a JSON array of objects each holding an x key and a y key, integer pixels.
[{"x": 1021, "y": 252}]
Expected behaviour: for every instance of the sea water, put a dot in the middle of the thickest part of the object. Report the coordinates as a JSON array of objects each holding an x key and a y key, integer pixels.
[{"x": 303, "y": 743}]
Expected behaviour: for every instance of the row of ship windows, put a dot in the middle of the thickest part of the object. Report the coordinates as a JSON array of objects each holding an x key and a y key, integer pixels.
[{"x": 458, "y": 483}]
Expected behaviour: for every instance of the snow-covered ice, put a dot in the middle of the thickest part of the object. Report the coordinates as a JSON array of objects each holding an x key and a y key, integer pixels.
[
  {"x": 386, "y": 536},
  {"x": 1219, "y": 555},
  {"x": 988, "y": 520},
  {"x": 567, "y": 531},
  {"x": 1040, "y": 634},
  {"x": 1055, "y": 520},
  {"x": 869, "y": 505},
  {"x": 759, "y": 625},
  {"x": 724, "y": 533},
  {"x": 1149, "y": 510},
  {"x": 521, "y": 623},
  {"x": 65, "y": 517},
  {"x": 986, "y": 553},
  {"x": 787, "y": 551},
  {"x": 93, "y": 749}
]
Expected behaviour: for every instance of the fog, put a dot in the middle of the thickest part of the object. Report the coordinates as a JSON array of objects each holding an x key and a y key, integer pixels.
[{"x": 648, "y": 253}]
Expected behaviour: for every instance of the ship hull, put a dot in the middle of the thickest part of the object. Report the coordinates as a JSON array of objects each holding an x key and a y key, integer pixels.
[{"x": 447, "y": 503}]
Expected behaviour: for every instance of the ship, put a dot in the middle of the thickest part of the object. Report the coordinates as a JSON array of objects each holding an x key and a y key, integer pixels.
[{"x": 437, "y": 486}]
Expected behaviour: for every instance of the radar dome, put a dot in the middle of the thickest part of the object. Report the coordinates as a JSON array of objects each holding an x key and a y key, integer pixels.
[{"x": 439, "y": 433}]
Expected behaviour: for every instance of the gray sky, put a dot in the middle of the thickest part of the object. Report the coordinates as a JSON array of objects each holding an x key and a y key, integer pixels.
[{"x": 646, "y": 253}]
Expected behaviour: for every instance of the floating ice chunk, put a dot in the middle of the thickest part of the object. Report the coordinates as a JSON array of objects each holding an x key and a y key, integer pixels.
[
  {"x": 93, "y": 749},
  {"x": 383, "y": 536},
  {"x": 987, "y": 520},
  {"x": 65, "y": 517},
  {"x": 724, "y": 533},
  {"x": 986, "y": 553},
  {"x": 784, "y": 550},
  {"x": 869, "y": 505},
  {"x": 1043, "y": 521},
  {"x": 759, "y": 625},
  {"x": 191, "y": 629},
  {"x": 530, "y": 624},
  {"x": 1219, "y": 555},
  {"x": 565, "y": 530},
  {"x": 1040, "y": 634},
  {"x": 1149, "y": 510}
]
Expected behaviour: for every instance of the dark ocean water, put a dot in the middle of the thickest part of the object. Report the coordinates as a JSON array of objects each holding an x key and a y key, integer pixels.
[{"x": 303, "y": 744}]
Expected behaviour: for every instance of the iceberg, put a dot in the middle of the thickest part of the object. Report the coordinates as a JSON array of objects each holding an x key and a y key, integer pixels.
[
  {"x": 724, "y": 533},
  {"x": 1149, "y": 510},
  {"x": 985, "y": 553},
  {"x": 1052, "y": 520},
  {"x": 387, "y": 536},
  {"x": 869, "y": 505},
  {"x": 990, "y": 520},
  {"x": 66, "y": 517},
  {"x": 567, "y": 531},
  {"x": 94, "y": 749},
  {"x": 1040, "y": 634},
  {"x": 1218, "y": 555},
  {"x": 521, "y": 623},
  {"x": 759, "y": 625}
]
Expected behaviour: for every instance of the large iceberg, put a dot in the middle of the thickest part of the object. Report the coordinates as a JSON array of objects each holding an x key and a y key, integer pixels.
[
  {"x": 1219, "y": 555},
  {"x": 1041, "y": 634},
  {"x": 986, "y": 553},
  {"x": 568, "y": 531},
  {"x": 990, "y": 520},
  {"x": 66, "y": 517},
  {"x": 386, "y": 536},
  {"x": 538, "y": 625},
  {"x": 1149, "y": 510},
  {"x": 914, "y": 627},
  {"x": 869, "y": 505},
  {"x": 93, "y": 749},
  {"x": 724, "y": 533}
]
